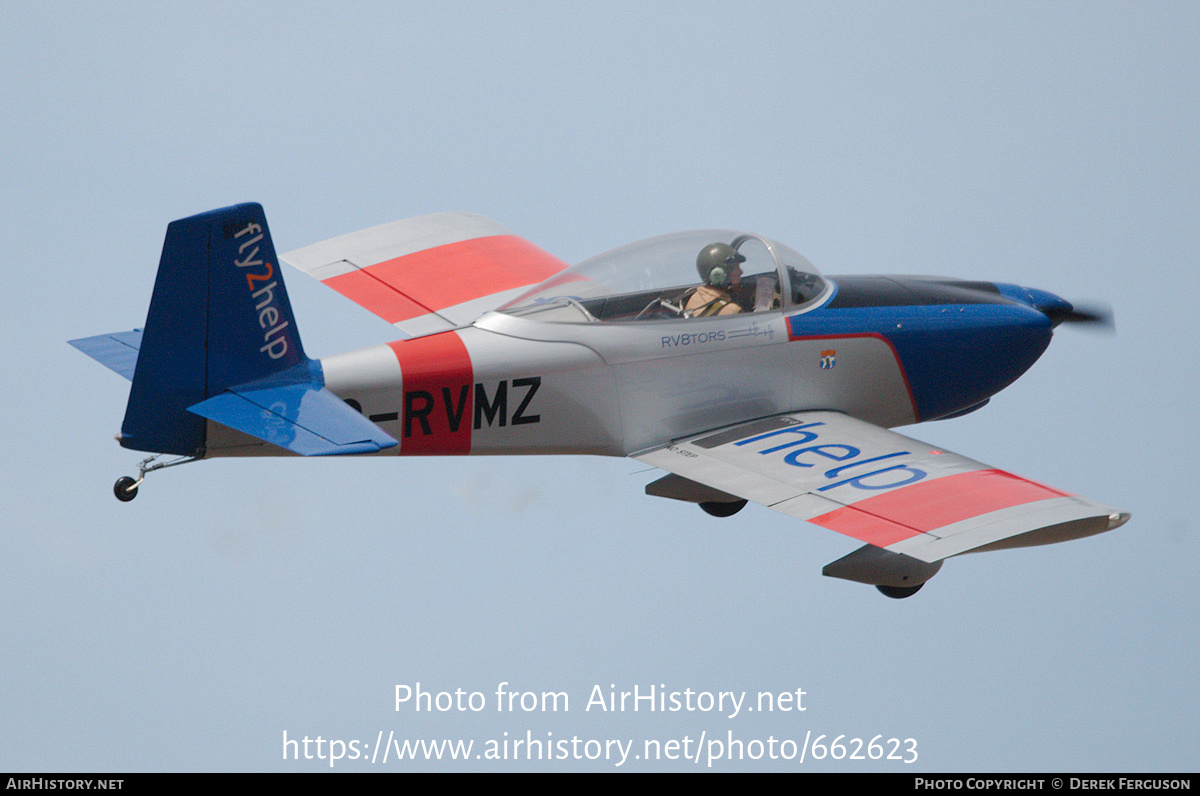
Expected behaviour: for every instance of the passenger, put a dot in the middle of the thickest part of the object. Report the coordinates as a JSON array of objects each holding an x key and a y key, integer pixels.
[{"x": 720, "y": 267}]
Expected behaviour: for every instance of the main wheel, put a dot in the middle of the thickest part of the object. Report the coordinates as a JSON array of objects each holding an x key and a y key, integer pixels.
[
  {"x": 724, "y": 509},
  {"x": 900, "y": 592},
  {"x": 125, "y": 489}
]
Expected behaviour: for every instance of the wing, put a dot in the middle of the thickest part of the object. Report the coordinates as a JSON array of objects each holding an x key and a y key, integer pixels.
[
  {"x": 431, "y": 273},
  {"x": 890, "y": 491}
]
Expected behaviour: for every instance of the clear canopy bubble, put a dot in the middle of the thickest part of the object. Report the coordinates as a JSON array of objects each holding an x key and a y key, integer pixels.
[{"x": 653, "y": 280}]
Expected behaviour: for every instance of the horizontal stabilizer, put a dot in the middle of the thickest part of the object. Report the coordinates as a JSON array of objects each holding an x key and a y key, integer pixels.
[
  {"x": 117, "y": 351},
  {"x": 302, "y": 418}
]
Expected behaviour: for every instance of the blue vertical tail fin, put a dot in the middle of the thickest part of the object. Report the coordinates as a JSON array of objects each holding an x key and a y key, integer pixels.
[
  {"x": 221, "y": 344},
  {"x": 219, "y": 316}
]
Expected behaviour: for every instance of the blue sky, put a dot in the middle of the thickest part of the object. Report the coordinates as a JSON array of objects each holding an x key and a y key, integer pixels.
[{"x": 1047, "y": 144}]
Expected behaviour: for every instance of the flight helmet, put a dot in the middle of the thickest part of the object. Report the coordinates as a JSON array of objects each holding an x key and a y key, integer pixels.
[{"x": 716, "y": 261}]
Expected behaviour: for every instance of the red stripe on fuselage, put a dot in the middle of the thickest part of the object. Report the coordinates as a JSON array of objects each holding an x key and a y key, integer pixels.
[
  {"x": 434, "y": 279},
  {"x": 439, "y": 385},
  {"x": 928, "y": 505}
]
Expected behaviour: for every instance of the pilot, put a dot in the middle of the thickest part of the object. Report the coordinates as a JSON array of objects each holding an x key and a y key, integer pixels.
[{"x": 720, "y": 267}]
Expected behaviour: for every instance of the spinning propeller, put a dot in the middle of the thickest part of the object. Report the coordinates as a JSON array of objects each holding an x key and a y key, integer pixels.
[
  {"x": 1059, "y": 310},
  {"x": 1098, "y": 316}
]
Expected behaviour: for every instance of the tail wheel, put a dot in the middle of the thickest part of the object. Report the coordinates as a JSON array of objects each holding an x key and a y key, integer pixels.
[
  {"x": 724, "y": 509},
  {"x": 125, "y": 489}
]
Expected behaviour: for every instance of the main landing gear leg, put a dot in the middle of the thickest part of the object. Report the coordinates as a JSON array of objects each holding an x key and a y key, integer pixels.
[{"x": 126, "y": 488}]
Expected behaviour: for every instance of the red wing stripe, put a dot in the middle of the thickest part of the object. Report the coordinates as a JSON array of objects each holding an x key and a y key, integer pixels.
[
  {"x": 928, "y": 505},
  {"x": 864, "y": 527},
  {"x": 441, "y": 277},
  {"x": 368, "y": 292}
]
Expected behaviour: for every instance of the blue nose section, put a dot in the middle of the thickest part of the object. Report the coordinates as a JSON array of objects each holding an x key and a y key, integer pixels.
[
  {"x": 1053, "y": 307},
  {"x": 1056, "y": 308}
]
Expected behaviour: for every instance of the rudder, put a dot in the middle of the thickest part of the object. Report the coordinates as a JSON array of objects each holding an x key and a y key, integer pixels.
[{"x": 219, "y": 316}]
